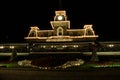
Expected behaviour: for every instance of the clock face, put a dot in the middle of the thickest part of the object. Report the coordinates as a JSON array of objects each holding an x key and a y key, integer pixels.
[{"x": 60, "y": 17}]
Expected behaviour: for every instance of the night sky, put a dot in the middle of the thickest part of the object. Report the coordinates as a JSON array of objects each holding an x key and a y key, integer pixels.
[{"x": 17, "y": 17}]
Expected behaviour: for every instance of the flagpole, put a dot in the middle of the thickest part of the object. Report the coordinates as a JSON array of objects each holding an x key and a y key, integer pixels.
[{"x": 60, "y": 4}]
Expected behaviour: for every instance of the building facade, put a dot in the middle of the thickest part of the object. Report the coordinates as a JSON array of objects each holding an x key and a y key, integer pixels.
[{"x": 61, "y": 31}]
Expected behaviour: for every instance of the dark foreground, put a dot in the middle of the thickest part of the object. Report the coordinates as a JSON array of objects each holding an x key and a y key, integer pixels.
[{"x": 82, "y": 74}]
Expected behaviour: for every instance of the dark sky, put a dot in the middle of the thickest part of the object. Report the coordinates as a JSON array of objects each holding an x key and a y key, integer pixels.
[{"x": 17, "y": 17}]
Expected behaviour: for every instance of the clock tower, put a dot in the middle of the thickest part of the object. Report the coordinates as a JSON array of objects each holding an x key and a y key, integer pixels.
[{"x": 60, "y": 23}]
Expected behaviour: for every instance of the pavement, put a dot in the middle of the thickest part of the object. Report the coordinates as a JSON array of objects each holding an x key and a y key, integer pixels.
[{"x": 37, "y": 74}]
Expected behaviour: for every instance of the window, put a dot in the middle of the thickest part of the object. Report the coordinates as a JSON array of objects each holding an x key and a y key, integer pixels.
[{"x": 59, "y": 31}]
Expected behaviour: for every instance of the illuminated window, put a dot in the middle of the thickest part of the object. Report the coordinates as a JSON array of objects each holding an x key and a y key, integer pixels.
[
  {"x": 12, "y": 47},
  {"x": 75, "y": 46},
  {"x": 111, "y": 45},
  {"x": 1, "y": 47}
]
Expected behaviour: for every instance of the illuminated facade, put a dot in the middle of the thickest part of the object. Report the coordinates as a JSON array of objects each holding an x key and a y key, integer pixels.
[{"x": 61, "y": 31}]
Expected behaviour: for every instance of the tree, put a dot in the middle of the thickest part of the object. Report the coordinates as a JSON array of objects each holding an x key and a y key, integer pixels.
[
  {"x": 13, "y": 56},
  {"x": 94, "y": 46}
]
